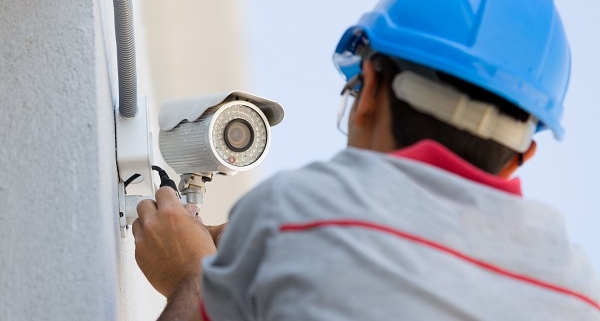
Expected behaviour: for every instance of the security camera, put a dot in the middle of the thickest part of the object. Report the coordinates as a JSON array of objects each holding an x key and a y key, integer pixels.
[
  {"x": 199, "y": 137},
  {"x": 218, "y": 134}
]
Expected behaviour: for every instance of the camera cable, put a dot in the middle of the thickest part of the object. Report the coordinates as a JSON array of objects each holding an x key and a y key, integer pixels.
[{"x": 165, "y": 180}]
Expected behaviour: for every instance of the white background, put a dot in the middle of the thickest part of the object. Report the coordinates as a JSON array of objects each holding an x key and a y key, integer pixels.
[{"x": 290, "y": 44}]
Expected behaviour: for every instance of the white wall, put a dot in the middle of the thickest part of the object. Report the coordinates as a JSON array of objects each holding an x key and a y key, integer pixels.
[
  {"x": 57, "y": 168},
  {"x": 61, "y": 256}
]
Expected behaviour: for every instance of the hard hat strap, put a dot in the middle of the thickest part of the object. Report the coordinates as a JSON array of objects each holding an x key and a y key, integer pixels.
[{"x": 457, "y": 109}]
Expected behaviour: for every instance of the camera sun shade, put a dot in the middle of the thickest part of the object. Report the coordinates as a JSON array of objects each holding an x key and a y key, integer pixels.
[{"x": 222, "y": 133}]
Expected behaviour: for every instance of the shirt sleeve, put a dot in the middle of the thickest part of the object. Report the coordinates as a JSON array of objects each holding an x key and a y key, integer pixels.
[{"x": 228, "y": 275}]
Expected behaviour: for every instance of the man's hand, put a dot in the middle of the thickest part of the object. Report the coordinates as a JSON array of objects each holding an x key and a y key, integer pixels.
[{"x": 169, "y": 242}]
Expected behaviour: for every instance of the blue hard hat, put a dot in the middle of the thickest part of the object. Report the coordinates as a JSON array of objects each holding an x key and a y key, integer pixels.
[{"x": 516, "y": 49}]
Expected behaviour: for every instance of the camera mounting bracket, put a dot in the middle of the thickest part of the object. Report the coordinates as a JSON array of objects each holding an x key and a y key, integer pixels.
[{"x": 134, "y": 148}]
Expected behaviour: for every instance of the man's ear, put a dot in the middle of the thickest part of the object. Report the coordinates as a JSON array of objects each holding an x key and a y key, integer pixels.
[
  {"x": 518, "y": 160},
  {"x": 368, "y": 101}
]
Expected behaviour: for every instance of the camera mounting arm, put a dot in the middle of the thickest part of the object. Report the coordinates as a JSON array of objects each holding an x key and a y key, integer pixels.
[{"x": 192, "y": 187}]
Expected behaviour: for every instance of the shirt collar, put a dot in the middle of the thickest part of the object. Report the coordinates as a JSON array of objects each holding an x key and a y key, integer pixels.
[{"x": 435, "y": 154}]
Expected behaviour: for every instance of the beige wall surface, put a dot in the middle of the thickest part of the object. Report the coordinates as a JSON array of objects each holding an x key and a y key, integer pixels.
[
  {"x": 184, "y": 48},
  {"x": 195, "y": 48}
]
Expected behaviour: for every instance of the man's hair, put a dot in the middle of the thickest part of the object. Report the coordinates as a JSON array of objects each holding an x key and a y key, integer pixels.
[{"x": 410, "y": 126}]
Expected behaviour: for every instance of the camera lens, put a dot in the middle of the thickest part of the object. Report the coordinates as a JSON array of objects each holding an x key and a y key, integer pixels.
[{"x": 238, "y": 135}]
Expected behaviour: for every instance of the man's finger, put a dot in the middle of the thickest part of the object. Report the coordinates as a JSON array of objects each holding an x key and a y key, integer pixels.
[
  {"x": 136, "y": 229},
  {"x": 144, "y": 208},
  {"x": 167, "y": 197}
]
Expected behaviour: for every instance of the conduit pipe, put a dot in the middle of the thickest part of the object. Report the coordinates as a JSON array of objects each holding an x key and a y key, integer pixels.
[{"x": 126, "y": 58}]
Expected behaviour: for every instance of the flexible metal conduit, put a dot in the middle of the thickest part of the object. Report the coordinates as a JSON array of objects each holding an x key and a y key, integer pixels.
[{"x": 126, "y": 58}]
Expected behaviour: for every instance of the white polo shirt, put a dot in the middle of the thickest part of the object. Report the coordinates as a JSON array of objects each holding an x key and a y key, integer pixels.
[{"x": 419, "y": 234}]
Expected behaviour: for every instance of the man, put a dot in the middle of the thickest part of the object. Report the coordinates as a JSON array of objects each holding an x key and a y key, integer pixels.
[{"x": 418, "y": 218}]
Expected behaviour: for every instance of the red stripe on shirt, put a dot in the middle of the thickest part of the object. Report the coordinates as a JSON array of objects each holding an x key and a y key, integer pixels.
[
  {"x": 203, "y": 311},
  {"x": 442, "y": 248}
]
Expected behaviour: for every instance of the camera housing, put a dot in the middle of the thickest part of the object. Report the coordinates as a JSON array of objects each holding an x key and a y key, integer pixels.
[{"x": 217, "y": 134}]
